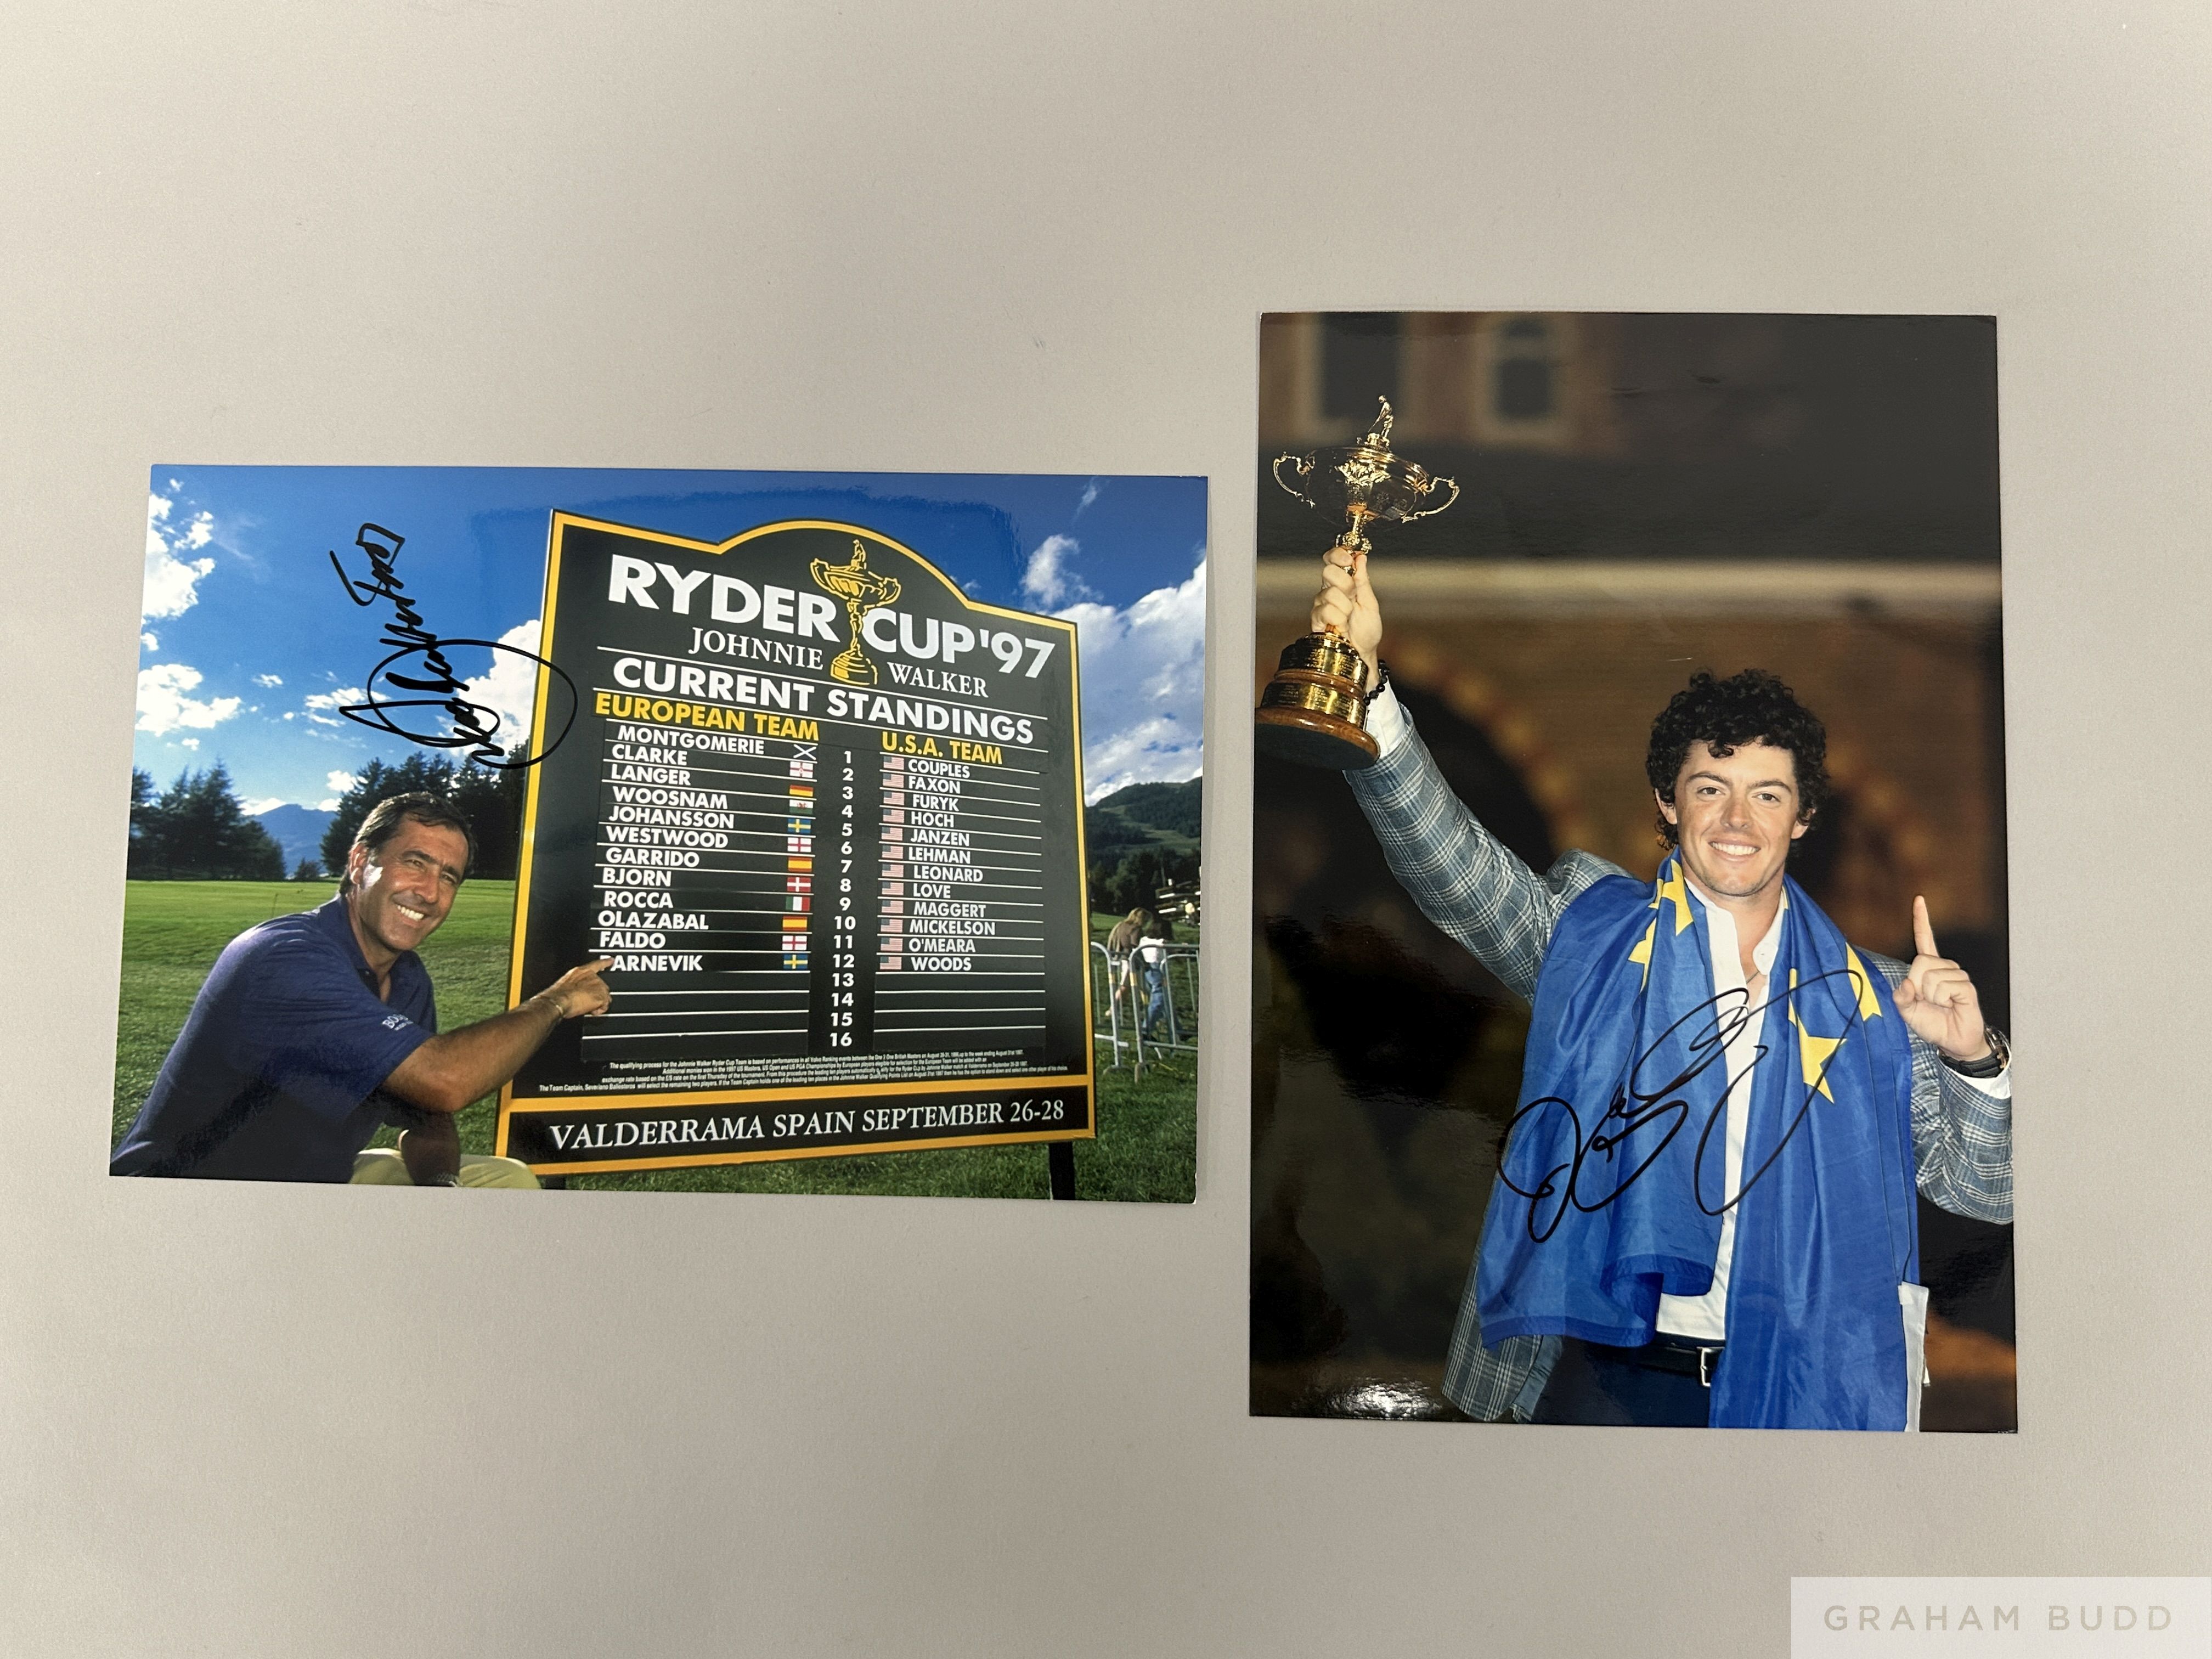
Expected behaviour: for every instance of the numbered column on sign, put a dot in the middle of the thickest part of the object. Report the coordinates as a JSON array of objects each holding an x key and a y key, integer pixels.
[{"x": 844, "y": 892}]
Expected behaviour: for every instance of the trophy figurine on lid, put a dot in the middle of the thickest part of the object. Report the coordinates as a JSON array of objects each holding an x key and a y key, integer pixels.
[{"x": 1314, "y": 709}]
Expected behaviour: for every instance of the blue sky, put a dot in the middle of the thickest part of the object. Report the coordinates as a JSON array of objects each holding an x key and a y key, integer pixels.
[{"x": 248, "y": 643}]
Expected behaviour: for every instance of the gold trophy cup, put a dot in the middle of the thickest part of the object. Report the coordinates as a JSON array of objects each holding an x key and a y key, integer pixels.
[
  {"x": 1314, "y": 709},
  {"x": 862, "y": 590}
]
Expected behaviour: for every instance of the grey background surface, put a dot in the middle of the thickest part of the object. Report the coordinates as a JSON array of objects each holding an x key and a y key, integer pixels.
[{"x": 1003, "y": 237}]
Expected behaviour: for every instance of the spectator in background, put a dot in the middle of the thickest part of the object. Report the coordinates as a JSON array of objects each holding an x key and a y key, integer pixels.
[{"x": 1137, "y": 956}]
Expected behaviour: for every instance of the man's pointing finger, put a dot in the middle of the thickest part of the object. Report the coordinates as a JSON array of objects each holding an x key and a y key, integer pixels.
[{"x": 1923, "y": 935}]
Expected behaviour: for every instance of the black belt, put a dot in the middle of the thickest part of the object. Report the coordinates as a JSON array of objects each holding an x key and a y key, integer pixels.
[{"x": 1680, "y": 1355}]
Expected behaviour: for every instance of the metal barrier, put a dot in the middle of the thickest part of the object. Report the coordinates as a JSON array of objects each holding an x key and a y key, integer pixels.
[{"x": 1123, "y": 1024}]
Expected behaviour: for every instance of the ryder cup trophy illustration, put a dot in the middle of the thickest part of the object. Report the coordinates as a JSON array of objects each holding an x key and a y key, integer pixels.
[
  {"x": 862, "y": 590},
  {"x": 1314, "y": 709}
]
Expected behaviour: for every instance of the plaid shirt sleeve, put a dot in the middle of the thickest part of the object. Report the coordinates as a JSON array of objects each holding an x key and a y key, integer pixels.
[
  {"x": 1464, "y": 880},
  {"x": 1961, "y": 1135}
]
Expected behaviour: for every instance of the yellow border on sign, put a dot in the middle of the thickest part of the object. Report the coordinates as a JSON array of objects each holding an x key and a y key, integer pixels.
[
  {"x": 562, "y": 522},
  {"x": 787, "y": 1155}
]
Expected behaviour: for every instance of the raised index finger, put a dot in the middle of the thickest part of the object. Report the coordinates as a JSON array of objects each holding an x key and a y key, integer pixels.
[{"x": 1923, "y": 936}]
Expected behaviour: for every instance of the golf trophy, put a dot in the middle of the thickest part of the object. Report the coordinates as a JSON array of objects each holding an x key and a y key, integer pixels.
[
  {"x": 1315, "y": 710},
  {"x": 863, "y": 590}
]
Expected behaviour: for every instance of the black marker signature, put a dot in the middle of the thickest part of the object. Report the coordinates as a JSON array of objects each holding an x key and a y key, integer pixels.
[
  {"x": 1639, "y": 1106},
  {"x": 459, "y": 723}
]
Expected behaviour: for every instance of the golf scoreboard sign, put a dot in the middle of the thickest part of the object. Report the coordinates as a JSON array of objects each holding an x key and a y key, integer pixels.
[{"x": 821, "y": 814}]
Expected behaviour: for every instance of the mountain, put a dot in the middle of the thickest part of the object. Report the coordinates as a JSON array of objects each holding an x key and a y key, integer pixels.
[
  {"x": 1162, "y": 815},
  {"x": 298, "y": 830}
]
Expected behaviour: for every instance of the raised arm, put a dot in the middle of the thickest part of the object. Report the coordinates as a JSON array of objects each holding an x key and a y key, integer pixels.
[
  {"x": 1961, "y": 1126},
  {"x": 1461, "y": 876}
]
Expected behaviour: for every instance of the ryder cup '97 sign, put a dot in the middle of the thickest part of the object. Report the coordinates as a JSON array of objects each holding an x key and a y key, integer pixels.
[{"x": 822, "y": 815}]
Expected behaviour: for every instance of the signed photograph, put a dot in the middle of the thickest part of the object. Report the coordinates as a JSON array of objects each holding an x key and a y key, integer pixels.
[
  {"x": 1630, "y": 1031},
  {"x": 536, "y": 828}
]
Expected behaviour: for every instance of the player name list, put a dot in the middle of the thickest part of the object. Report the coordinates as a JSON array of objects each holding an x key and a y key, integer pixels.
[{"x": 765, "y": 901}]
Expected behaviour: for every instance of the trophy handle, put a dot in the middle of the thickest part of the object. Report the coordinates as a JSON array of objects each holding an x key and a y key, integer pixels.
[
  {"x": 1300, "y": 461},
  {"x": 1431, "y": 512}
]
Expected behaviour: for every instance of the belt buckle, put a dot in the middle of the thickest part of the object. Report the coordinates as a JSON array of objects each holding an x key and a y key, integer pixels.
[{"x": 1707, "y": 1358}]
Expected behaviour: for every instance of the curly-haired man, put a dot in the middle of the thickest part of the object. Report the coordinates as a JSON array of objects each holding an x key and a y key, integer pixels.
[{"x": 1703, "y": 1212}]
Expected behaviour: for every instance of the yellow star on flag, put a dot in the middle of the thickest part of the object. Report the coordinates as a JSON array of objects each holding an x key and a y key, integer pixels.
[
  {"x": 1641, "y": 951},
  {"x": 1670, "y": 886},
  {"x": 1863, "y": 982},
  {"x": 1812, "y": 1052}
]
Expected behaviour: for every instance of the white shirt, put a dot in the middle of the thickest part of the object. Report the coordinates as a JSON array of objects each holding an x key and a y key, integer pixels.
[{"x": 1705, "y": 1317}]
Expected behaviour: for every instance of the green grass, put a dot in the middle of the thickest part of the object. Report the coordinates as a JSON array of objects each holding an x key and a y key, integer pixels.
[{"x": 1146, "y": 1148}]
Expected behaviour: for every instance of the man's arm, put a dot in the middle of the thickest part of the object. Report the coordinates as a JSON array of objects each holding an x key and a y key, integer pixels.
[
  {"x": 1460, "y": 874},
  {"x": 450, "y": 1070},
  {"x": 1961, "y": 1128}
]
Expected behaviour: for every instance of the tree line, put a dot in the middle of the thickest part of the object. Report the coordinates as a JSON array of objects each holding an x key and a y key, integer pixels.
[
  {"x": 491, "y": 801},
  {"x": 197, "y": 830}
]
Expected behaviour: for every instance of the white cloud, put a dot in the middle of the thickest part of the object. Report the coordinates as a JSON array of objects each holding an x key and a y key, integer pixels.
[
  {"x": 171, "y": 581},
  {"x": 149, "y": 642},
  {"x": 1049, "y": 580},
  {"x": 269, "y": 679},
  {"x": 318, "y": 701},
  {"x": 254, "y": 809},
  {"x": 163, "y": 705},
  {"x": 190, "y": 743},
  {"x": 339, "y": 782},
  {"x": 1144, "y": 687},
  {"x": 328, "y": 804},
  {"x": 1090, "y": 494},
  {"x": 511, "y": 687}
]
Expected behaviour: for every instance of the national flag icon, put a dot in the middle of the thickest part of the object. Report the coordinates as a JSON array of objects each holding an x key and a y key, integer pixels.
[
  {"x": 888, "y": 964},
  {"x": 895, "y": 815},
  {"x": 894, "y": 907},
  {"x": 802, "y": 791},
  {"x": 794, "y": 958},
  {"x": 799, "y": 864},
  {"x": 897, "y": 887},
  {"x": 794, "y": 924},
  {"x": 799, "y": 844},
  {"x": 802, "y": 769},
  {"x": 800, "y": 827},
  {"x": 798, "y": 902},
  {"x": 798, "y": 883},
  {"x": 894, "y": 797}
]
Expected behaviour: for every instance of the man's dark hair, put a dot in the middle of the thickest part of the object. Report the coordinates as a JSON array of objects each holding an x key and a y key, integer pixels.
[
  {"x": 1753, "y": 706},
  {"x": 384, "y": 819}
]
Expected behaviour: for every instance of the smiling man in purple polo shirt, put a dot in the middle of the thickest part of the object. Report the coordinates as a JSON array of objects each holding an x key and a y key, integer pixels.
[{"x": 314, "y": 1029}]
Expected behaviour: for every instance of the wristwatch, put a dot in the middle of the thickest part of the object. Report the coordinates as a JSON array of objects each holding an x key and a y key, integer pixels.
[{"x": 1999, "y": 1056}]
